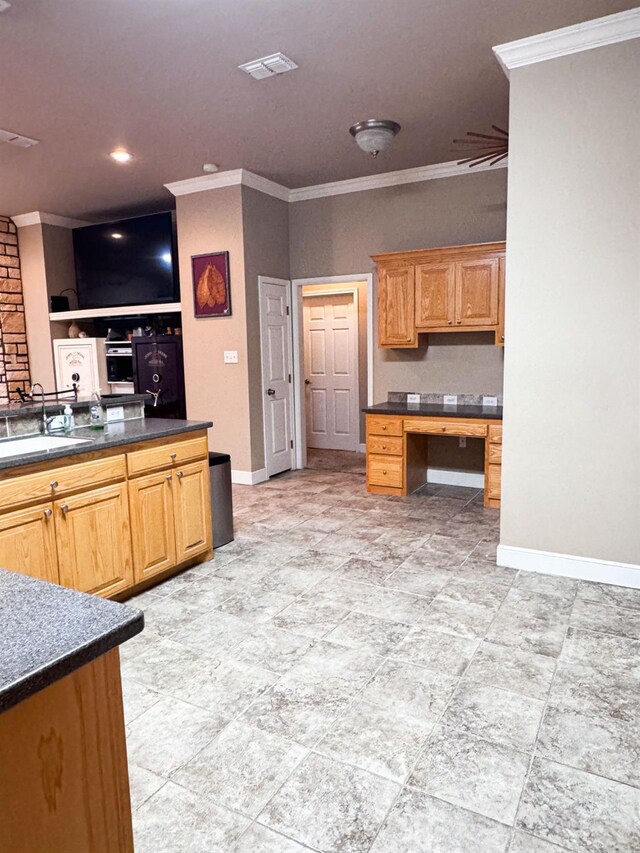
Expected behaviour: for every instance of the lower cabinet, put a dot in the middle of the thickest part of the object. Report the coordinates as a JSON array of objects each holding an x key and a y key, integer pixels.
[
  {"x": 28, "y": 543},
  {"x": 94, "y": 540},
  {"x": 152, "y": 523},
  {"x": 192, "y": 502}
]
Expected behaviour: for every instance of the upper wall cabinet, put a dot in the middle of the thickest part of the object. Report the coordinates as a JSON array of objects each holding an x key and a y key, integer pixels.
[{"x": 452, "y": 289}]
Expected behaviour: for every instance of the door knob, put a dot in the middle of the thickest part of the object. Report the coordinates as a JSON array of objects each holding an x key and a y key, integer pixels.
[
  {"x": 271, "y": 392},
  {"x": 307, "y": 382}
]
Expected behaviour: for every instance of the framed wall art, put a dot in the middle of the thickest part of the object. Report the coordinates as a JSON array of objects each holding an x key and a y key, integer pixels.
[{"x": 211, "y": 285}]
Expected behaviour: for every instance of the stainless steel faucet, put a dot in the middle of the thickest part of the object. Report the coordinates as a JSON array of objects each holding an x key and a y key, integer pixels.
[{"x": 45, "y": 420}]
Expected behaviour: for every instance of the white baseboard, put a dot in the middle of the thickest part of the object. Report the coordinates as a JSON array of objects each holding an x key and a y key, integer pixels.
[
  {"x": 249, "y": 478},
  {"x": 362, "y": 448},
  {"x": 569, "y": 566},
  {"x": 455, "y": 477}
]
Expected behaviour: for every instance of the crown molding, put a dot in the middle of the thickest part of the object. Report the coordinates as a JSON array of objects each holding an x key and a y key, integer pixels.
[
  {"x": 390, "y": 179},
  {"x": 597, "y": 33},
  {"x": 232, "y": 178},
  {"x": 37, "y": 217}
]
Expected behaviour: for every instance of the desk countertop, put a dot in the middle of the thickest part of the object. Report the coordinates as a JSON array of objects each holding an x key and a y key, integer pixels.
[{"x": 436, "y": 410}]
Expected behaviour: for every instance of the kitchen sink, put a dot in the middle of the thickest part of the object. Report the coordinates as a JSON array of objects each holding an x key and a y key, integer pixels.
[{"x": 37, "y": 444}]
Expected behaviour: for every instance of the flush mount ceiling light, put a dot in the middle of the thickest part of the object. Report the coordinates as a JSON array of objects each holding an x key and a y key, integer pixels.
[
  {"x": 116, "y": 236},
  {"x": 267, "y": 66},
  {"x": 120, "y": 155},
  {"x": 210, "y": 167},
  {"x": 374, "y": 135}
]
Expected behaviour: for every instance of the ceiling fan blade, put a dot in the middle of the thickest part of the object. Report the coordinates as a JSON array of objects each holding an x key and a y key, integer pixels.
[
  {"x": 500, "y": 130},
  {"x": 485, "y": 135},
  {"x": 476, "y": 161}
]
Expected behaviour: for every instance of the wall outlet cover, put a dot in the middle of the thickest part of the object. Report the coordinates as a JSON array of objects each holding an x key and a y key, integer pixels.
[
  {"x": 115, "y": 413},
  {"x": 413, "y": 399},
  {"x": 450, "y": 399},
  {"x": 231, "y": 356},
  {"x": 462, "y": 441},
  {"x": 489, "y": 401}
]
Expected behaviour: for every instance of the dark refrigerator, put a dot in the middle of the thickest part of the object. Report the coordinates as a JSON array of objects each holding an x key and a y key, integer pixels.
[{"x": 158, "y": 370}]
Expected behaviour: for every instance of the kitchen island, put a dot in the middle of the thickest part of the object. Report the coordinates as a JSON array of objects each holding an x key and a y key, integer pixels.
[
  {"x": 63, "y": 775},
  {"x": 106, "y": 511}
]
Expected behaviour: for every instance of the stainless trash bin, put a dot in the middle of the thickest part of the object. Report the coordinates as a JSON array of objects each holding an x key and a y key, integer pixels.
[{"x": 221, "y": 499}]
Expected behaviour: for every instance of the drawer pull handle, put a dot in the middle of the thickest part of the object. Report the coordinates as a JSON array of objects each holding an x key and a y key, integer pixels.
[
  {"x": 458, "y": 322},
  {"x": 179, "y": 475},
  {"x": 172, "y": 456},
  {"x": 444, "y": 429},
  {"x": 384, "y": 472},
  {"x": 54, "y": 484},
  {"x": 384, "y": 426},
  {"x": 47, "y": 513},
  {"x": 450, "y": 322},
  {"x": 65, "y": 509},
  {"x": 384, "y": 446}
]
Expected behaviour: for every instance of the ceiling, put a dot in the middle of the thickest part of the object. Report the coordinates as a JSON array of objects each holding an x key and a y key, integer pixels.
[{"x": 160, "y": 78}]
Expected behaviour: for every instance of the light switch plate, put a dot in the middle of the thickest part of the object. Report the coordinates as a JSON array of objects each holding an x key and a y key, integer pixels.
[
  {"x": 115, "y": 413},
  {"x": 413, "y": 398},
  {"x": 231, "y": 356},
  {"x": 489, "y": 401},
  {"x": 450, "y": 400}
]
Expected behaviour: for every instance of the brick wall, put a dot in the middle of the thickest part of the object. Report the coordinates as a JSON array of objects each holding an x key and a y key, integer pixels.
[{"x": 14, "y": 358}]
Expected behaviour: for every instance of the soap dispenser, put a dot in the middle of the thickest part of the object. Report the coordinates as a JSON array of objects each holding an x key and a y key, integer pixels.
[{"x": 96, "y": 412}]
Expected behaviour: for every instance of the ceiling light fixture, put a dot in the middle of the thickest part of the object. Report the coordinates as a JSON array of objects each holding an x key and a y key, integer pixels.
[
  {"x": 120, "y": 155},
  {"x": 116, "y": 236},
  {"x": 268, "y": 66},
  {"x": 374, "y": 135},
  {"x": 210, "y": 167}
]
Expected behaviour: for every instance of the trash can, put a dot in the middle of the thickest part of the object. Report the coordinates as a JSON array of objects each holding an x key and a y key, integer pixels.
[{"x": 221, "y": 499}]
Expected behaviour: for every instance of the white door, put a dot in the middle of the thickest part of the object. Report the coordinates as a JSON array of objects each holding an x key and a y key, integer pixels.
[
  {"x": 275, "y": 335},
  {"x": 331, "y": 371}
]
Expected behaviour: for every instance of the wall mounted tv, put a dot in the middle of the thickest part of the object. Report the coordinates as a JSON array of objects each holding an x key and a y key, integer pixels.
[{"x": 130, "y": 262}]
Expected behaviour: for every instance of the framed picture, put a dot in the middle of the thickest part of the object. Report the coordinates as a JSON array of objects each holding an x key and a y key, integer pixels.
[{"x": 211, "y": 285}]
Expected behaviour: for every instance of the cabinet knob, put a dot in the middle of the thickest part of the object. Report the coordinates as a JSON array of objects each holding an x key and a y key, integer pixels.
[
  {"x": 172, "y": 456},
  {"x": 54, "y": 484},
  {"x": 444, "y": 429},
  {"x": 450, "y": 322},
  {"x": 169, "y": 477},
  {"x": 47, "y": 513},
  {"x": 384, "y": 472},
  {"x": 65, "y": 509},
  {"x": 384, "y": 426},
  {"x": 179, "y": 475},
  {"x": 458, "y": 322},
  {"x": 384, "y": 446}
]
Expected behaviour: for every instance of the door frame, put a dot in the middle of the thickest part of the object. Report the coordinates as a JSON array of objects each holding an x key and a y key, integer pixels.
[
  {"x": 283, "y": 282},
  {"x": 299, "y": 411}
]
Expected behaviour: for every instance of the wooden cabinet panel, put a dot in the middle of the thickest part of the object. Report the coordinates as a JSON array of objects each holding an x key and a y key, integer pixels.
[
  {"x": 152, "y": 524},
  {"x": 391, "y": 444},
  {"x": 435, "y": 295},
  {"x": 448, "y": 427},
  {"x": 495, "y": 434},
  {"x": 384, "y": 470},
  {"x": 492, "y": 481},
  {"x": 381, "y": 425},
  {"x": 192, "y": 503},
  {"x": 396, "y": 307},
  {"x": 477, "y": 293},
  {"x": 495, "y": 453},
  {"x": 501, "y": 282},
  {"x": 166, "y": 455},
  {"x": 94, "y": 540},
  {"x": 27, "y": 542}
]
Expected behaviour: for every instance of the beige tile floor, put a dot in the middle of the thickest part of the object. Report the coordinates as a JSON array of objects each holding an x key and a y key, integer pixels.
[{"x": 355, "y": 673}]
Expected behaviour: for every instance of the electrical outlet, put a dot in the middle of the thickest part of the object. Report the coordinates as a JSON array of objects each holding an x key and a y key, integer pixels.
[
  {"x": 462, "y": 441},
  {"x": 115, "y": 413},
  {"x": 489, "y": 401},
  {"x": 231, "y": 356},
  {"x": 450, "y": 400},
  {"x": 413, "y": 399}
]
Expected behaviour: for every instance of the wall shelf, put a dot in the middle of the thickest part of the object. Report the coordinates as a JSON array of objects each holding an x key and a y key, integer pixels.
[{"x": 120, "y": 311}]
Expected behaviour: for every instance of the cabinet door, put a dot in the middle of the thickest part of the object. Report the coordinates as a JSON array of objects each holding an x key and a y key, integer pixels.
[
  {"x": 153, "y": 539},
  {"x": 435, "y": 295},
  {"x": 27, "y": 542},
  {"x": 477, "y": 293},
  {"x": 192, "y": 503},
  {"x": 94, "y": 540},
  {"x": 396, "y": 308}
]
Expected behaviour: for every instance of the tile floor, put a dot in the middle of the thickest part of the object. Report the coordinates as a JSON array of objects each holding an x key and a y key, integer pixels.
[
  {"x": 336, "y": 460},
  {"x": 355, "y": 673}
]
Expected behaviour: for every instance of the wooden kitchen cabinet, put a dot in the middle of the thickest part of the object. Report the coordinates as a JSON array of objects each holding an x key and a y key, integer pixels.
[
  {"x": 456, "y": 289},
  {"x": 27, "y": 542},
  {"x": 152, "y": 524},
  {"x": 192, "y": 507},
  {"x": 94, "y": 540}
]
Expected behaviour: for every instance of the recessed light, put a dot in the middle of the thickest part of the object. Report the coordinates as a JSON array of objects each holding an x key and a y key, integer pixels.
[
  {"x": 210, "y": 167},
  {"x": 116, "y": 236},
  {"x": 120, "y": 155}
]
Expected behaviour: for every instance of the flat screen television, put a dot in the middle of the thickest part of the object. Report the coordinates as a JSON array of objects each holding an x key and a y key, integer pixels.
[{"x": 130, "y": 262}]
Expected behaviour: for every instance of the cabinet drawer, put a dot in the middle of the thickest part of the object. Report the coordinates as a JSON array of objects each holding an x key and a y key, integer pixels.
[
  {"x": 391, "y": 444},
  {"x": 165, "y": 455},
  {"x": 492, "y": 483},
  {"x": 432, "y": 427},
  {"x": 383, "y": 425},
  {"x": 495, "y": 434},
  {"x": 384, "y": 470},
  {"x": 60, "y": 481},
  {"x": 495, "y": 453}
]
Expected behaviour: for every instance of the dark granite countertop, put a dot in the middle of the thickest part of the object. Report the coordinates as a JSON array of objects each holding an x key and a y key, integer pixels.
[
  {"x": 435, "y": 410},
  {"x": 113, "y": 435},
  {"x": 48, "y": 631},
  {"x": 54, "y": 406}
]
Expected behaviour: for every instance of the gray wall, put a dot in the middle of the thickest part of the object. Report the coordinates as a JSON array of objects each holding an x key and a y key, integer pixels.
[{"x": 571, "y": 464}]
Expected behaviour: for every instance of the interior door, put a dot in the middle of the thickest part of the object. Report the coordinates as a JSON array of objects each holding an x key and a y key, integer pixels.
[
  {"x": 477, "y": 284},
  {"x": 275, "y": 336},
  {"x": 331, "y": 371},
  {"x": 27, "y": 542}
]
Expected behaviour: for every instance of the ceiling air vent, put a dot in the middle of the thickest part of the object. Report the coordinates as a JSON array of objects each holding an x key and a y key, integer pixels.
[
  {"x": 277, "y": 63},
  {"x": 16, "y": 139}
]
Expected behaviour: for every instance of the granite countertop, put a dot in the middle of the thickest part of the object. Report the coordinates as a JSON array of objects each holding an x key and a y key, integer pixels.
[
  {"x": 9, "y": 410},
  {"x": 113, "y": 435},
  {"x": 435, "y": 410},
  {"x": 48, "y": 631}
]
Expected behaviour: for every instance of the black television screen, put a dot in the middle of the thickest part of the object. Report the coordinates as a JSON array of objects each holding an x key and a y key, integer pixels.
[{"x": 130, "y": 262}]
